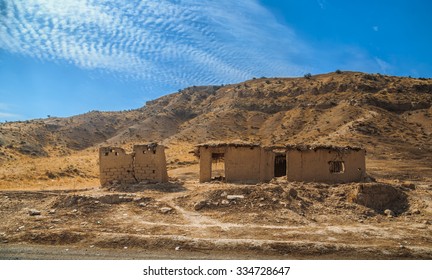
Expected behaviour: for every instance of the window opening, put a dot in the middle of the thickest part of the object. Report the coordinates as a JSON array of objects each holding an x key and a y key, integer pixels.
[{"x": 336, "y": 166}]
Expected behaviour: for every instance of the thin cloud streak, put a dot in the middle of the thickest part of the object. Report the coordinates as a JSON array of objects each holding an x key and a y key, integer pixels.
[
  {"x": 9, "y": 115},
  {"x": 174, "y": 43},
  {"x": 178, "y": 42}
]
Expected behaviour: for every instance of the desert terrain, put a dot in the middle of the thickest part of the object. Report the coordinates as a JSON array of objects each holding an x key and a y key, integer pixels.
[{"x": 52, "y": 204}]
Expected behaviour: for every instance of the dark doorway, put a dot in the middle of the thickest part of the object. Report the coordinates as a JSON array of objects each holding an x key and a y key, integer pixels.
[
  {"x": 218, "y": 167},
  {"x": 280, "y": 165}
]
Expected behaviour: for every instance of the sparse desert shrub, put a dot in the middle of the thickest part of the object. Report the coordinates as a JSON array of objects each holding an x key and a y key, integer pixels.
[
  {"x": 307, "y": 76},
  {"x": 370, "y": 77},
  {"x": 338, "y": 71}
]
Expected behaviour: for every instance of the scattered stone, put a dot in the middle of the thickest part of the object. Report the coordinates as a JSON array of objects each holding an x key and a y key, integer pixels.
[
  {"x": 52, "y": 211},
  {"x": 234, "y": 196},
  {"x": 293, "y": 193},
  {"x": 225, "y": 202},
  {"x": 389, "y": 213},
  {"x": 200, "y": 205},
  {"x": 370, "y": 179},
  {"x": 415, "y": 211},
  {"x": 34, "y": 212},
  {"x": 275, "y": 200},
  {"x": 115, "y": 199},
  {"x": 301, "y": 204},
  {"x": 74, "y": 211},
  {"x": 177, "y": 248},
  {"x": 409, "y": 186},
  {"x": 165, "y": 210},
  {"x": 3, "y": 237},
  {"x": 224, "y": 194},
  {"x": 261, "y": 205},
  {"x": 369, "y": 213},
  {"x": 378, "y": 196},
  {"x": 142, "y": 204},
  {"x": 20, "y": 228}
]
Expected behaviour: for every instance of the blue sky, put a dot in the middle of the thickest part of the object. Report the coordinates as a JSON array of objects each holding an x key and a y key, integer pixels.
[{"x": 68, "y": 57}]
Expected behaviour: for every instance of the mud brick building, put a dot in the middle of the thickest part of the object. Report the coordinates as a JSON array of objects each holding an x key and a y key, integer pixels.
[
  {"x": 328, "y": 164},
  {"x": 147, "y": 163},
  {"x": 235, "y": 162},
  {"x": 251, "y": 163}
]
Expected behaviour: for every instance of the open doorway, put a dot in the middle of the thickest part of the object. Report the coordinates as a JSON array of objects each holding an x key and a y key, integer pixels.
[
  {"x": 218, "y": 167},
  {"x": 280, "y": 165}
]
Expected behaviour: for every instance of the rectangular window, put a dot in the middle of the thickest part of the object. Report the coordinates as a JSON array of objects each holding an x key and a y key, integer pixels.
[{"x": 336, "y": 166}]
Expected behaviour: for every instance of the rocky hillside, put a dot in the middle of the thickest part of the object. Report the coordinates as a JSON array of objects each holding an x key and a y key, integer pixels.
[{"x": 390, "y": 116}]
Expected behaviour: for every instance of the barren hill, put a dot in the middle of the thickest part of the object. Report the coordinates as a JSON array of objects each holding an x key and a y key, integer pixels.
[
  {"x": 390, "y": 116},
  {"x": 50, "y": 192}
]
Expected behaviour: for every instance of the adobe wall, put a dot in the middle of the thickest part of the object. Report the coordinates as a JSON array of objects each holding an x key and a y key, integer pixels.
[
  {"x": 115, "y": 165},
  {"x": 146, "y": 163},
  {"x": 205, "y": 162},
  {"x": 267, "y": 165},
  {"x": 150, "y": 163},
  {"x": 313, "y": 165},
  {"x": 242, "y": 164}
]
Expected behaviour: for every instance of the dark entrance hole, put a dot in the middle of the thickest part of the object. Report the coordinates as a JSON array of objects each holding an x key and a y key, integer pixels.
[
  {"x": 218, "y": 167},
  {"x": 280, "y": 166}
]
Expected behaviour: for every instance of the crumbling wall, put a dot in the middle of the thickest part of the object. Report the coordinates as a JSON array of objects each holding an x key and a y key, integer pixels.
[
  {"x": 380, "y": 197},
  {"x": 251, "y": 163},
  {"x": 115, "y": 165},
  {"x": 247, "y": 164},
  {"x": 146, "y": 163},
  {"x": 314, "y": 165},
  {"x": 150, "y": 163}
]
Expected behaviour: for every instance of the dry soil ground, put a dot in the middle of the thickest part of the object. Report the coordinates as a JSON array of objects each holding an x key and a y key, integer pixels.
[{"x": 187, "y": 220}]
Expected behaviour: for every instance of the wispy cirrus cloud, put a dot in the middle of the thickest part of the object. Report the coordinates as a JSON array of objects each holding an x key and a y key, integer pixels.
[
  {"x": 5, "y": 112},
  {"x": 162, "y": 42},
  {"x": 9, "y": 115}
]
